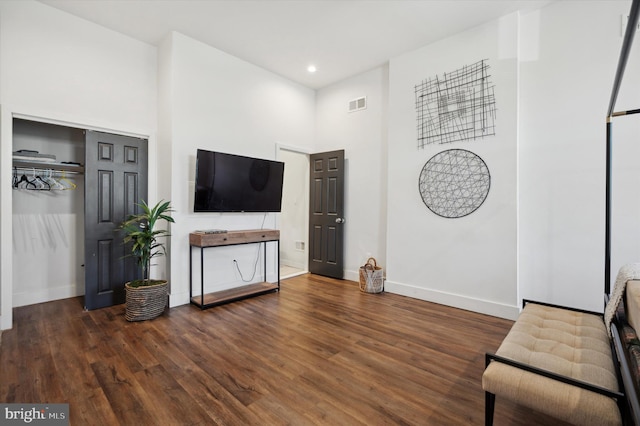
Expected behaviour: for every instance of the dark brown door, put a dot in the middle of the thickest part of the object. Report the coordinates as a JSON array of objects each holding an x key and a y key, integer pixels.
[
  {"x": 326, "y": 214},
  {"x": 115, "y": 182}
]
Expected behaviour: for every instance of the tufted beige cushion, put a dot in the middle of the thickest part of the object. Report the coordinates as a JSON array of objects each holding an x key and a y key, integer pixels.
[
  {"x": 632, "y": 301},
  {"x": 569, "y": 343}
]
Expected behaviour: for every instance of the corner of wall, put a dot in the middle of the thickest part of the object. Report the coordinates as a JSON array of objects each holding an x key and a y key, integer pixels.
[{"x": 6, "y": 233}]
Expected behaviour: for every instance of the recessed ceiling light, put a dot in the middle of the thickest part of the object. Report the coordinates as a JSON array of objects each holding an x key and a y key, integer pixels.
[{"x": 311, "y": 68}]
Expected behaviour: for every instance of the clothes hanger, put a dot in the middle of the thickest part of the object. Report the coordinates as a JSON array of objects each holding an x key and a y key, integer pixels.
[
  {"x": 27, "y": 182},
  {"x": 67, "y": 181},
  {"x": 44, "y": 185},
  {"x": 54, "y": 183},
  {"x": 36, "y": 185}
]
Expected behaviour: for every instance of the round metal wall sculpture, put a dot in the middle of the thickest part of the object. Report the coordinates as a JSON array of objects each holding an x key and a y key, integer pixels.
[{"x": 454, "y": 183}]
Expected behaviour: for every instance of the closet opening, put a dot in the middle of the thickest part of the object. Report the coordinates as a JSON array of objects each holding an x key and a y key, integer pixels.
[{"x": 48, "y": 212}]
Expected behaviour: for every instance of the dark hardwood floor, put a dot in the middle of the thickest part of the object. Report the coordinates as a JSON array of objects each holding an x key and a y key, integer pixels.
[{"x": 319, "y": 352}]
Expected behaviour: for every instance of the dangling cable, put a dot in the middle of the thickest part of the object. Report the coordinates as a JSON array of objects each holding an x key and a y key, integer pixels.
[
  {"x": 255, "y": 265},
  {"x": 255, "y": 268},
  {"x": 264, "y": 218}
]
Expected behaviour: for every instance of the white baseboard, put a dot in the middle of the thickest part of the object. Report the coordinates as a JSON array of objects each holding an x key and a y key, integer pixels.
[
  {"x": 45, "y": 295},
  {"x": 5, "y": 322},
  {"x": 294, "y": 274},
  {"x": 178, "y": 299},
  {"x": 455, "y": 300},
  {"x": 352, "y": 275},
  {"x": 292, "y": 263}
]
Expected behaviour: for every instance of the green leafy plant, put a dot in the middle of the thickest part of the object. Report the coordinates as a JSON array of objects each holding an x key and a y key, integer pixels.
[{"x": 140, "y": 230}]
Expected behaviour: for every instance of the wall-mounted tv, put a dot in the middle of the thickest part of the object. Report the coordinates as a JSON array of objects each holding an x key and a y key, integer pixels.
[{"x": 234, "y": 183}]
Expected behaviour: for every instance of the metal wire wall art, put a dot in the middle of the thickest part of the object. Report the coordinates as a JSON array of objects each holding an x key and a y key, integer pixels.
[
  {"x": 454, "y": 183},
  {"x": 456, "y": 106}
]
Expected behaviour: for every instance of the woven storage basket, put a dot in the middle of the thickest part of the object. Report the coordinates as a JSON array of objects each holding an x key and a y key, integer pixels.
[
  {"x": 144, "y": 303},
  {"x": 371, "y": 280}
]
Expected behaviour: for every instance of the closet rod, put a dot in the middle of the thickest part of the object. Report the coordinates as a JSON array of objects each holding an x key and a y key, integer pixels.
[
  {"x": 629, "y": 34},
  {"x": 46, "y": 170}
]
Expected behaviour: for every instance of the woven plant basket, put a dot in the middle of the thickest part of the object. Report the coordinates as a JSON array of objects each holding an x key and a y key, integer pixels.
[
  {"x": 144, "y": 303},
  {"x": 371, "y": 277}
]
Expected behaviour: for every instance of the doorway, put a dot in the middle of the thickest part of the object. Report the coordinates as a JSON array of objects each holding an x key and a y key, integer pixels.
[
  {"x": 294, "y": 220},
  {"x": 46, "y": 218}
]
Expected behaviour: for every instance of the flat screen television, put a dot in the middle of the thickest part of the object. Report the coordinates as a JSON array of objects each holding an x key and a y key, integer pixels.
[{"x": 234, "y": 183}]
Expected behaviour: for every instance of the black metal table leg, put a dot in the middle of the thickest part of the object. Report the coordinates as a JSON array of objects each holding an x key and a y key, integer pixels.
[{"x": 201, "y": 278}]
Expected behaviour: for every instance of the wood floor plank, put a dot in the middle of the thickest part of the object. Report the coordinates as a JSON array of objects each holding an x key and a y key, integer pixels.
[
  {"x": 169, "y": 398},
  {"x": 121, "y": 391},
  {"x": 319, "y": 352}
]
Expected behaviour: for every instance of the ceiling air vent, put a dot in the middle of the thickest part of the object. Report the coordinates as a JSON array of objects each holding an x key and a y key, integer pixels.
[{"x": 358, "y": 104}]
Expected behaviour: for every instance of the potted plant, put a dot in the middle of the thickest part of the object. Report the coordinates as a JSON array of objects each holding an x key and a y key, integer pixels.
[{"x": 146, "y": 298}]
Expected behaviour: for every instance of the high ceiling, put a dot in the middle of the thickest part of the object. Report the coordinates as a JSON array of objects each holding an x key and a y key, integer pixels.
[{"x": 340, "y": 37}]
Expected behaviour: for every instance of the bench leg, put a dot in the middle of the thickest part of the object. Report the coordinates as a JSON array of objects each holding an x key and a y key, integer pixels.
[{"x": 489, "y": 405}]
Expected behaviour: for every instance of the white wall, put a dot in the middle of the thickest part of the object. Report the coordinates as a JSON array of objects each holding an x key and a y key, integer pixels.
[
  {"x": 468, "y": 262},
  {"x": 566, "y": 76},
  {"x": 55, "y": 62},
  {"x": 58, "y": 68},
  {"x": 221, "y": 103},
  {"x": 363, "y": 136}
]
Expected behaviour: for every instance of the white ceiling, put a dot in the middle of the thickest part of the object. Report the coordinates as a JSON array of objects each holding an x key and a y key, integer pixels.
[{"x": 341, "y": 37}]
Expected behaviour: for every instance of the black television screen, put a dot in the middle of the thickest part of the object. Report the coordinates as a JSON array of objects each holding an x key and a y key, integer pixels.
[{"x": 233, "y": 183}]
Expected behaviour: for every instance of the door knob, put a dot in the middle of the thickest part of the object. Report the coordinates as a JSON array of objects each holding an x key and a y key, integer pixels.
[{"x": 339, "y": 220}]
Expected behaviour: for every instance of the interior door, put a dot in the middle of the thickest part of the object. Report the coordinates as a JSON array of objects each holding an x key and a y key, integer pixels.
[
  {"x": 115, "y": 182},
  {"x": 326, "y": 214}
]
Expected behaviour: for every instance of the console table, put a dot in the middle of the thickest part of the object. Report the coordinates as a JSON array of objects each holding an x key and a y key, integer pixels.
[{"x": 205, "y": 240}]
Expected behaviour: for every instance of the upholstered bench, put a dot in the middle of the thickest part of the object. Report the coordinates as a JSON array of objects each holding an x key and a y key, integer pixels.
[{"x": 558, "y": 361}]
